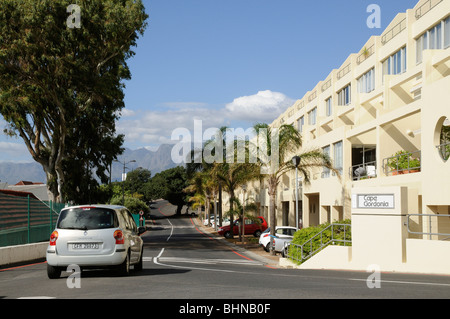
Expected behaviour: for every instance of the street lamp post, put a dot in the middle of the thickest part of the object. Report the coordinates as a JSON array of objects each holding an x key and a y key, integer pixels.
[
  {"x": 296, "y": 162},
  {"x": 124, "y": 163}
]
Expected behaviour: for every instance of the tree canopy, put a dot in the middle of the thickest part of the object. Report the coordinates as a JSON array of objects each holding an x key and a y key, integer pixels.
[{"x": 61, "y": 87}]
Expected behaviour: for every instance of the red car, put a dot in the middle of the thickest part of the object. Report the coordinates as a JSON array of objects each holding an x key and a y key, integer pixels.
[{"x": 255, "y": 227}]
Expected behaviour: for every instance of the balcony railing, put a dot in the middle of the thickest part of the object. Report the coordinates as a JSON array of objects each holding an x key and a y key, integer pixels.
[
  {"x": 444, "y": 150},
  {"x": 367, "y": 52},
  {"x": 363, "y": 171},
  {"x": 393, "y": 32},
  {"x": 402, "y": 163},
  {"x": 427, "y": 6}
]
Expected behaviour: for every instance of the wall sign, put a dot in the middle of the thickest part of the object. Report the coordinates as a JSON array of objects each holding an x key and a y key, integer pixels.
[{"x": 373, "y": 201}]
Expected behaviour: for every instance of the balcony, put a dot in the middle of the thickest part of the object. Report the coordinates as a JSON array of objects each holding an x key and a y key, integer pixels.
[
  {"x": 402, "y": 163},
  {"x": 363, "y": 171}
]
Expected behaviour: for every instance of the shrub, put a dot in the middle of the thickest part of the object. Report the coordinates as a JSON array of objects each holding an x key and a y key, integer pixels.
[{"x": 305, "y": 234}]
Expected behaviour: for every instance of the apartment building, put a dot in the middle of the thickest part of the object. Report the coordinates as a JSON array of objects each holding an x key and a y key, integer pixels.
[{"x": 384, "y": 119}]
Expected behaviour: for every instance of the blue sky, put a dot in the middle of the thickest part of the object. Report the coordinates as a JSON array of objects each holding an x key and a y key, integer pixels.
[{"x": 231, "y": 62}]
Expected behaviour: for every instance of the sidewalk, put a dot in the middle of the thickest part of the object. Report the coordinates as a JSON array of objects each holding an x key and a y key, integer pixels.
[{"x": 252, "y": 249}]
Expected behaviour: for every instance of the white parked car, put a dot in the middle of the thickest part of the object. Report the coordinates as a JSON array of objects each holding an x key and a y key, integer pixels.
[
  {"x": 225, "y": 222},
  {"x": 286, "y": 232},
  {"x": 95, "y": 236}
]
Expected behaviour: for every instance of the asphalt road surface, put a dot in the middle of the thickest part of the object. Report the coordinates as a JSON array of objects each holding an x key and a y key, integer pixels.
[{"x": 182, "y": 262}]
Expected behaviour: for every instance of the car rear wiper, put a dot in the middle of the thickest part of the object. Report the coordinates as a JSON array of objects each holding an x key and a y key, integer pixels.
[{"x": 72, "y": 227}]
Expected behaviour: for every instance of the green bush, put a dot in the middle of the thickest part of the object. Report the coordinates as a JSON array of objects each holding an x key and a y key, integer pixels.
[
  {"x": 305, "y": 234},
  {"x": 133, "y": 204}
]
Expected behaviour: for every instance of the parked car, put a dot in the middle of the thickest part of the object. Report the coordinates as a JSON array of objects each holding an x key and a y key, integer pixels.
[
  {"x": 251, "y": 226},
  {"x": 208, "y": 222},
  {"x": 280, "y": 242},
  {"x": 280, "y": 231},
  {"x": 225, "y": 222},
  {"x": 95, "y": 236}
]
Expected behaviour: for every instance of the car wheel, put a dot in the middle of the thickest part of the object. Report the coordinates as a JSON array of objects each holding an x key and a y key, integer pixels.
[
  {"x": 257, "y": 233},
  {"x": 138, "y": 266},
  {"x": 124, "y": 268},
  {"x": 53, "y": 272},
  {"x": 267, "y": 247},
  {"x": 228, "y": 235}
]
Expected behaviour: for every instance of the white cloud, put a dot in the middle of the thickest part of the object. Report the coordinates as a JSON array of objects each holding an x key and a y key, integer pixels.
[
  {"x": 264, "y": 106},
  {"x": 148, "y": 128}
]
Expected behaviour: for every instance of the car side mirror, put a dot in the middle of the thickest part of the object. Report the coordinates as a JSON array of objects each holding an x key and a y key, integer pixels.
[{"x": 141, "y": 230}]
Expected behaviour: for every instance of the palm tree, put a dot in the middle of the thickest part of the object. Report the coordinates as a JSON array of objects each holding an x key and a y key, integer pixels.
[
  {"x": 232, "y": 174},
  {"x": 288, "y": 141}
]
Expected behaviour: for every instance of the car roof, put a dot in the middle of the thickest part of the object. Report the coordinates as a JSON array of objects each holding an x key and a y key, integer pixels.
[{"x": 115, "y": 207}]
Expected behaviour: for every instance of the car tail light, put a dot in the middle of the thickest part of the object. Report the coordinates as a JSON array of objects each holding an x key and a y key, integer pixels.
[
  {"x": 53, "y": 238},
  {"x": 118, "y": 236}
]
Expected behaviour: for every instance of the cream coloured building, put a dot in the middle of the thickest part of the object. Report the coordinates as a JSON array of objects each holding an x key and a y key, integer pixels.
[{"x": 392, "y": 96}]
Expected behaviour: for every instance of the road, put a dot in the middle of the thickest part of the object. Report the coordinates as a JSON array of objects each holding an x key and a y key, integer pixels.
[{"x": 183, "y": 262}]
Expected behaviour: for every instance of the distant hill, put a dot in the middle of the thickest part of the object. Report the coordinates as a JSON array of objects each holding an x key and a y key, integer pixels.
[{"x": 156, "y": 161}]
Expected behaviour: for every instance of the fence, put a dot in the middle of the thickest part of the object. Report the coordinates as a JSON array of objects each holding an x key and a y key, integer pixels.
[{"x": 25, "y": 219}]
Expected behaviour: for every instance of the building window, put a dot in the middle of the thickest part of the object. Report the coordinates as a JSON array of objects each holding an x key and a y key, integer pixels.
[
  {"x": 338, "y": 156},
  {"x": 312, "y": 116},
  {"x": 447, "y": 33},
  {"x": 300, "y": 123},
  {"x": 435, "y": 38},
  {"x": 396, "y": 63},
  {"x": 326, "y": 170},
  {"x": 344, "y": 96},
  {"x": 366, "y": 83},
  {"x": 329, "y": 106}
]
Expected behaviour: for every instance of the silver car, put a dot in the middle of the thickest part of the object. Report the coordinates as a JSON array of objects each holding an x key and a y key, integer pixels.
[{"x": 95, "y": 236}]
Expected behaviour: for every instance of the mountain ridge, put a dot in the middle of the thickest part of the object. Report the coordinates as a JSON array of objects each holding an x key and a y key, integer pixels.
[{"x": 155, "y": 161}]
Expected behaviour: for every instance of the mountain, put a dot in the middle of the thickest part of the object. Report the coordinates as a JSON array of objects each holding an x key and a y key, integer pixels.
[{"x": 156, "y": 161}]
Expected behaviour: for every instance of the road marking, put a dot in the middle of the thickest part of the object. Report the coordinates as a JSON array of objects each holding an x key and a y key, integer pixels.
[
  {"x": 210, "y": 261},
  {"x": 405, "y": 282},
  {"x": 156, "y": 261}
]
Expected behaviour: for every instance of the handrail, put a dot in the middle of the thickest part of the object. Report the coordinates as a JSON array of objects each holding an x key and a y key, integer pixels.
[
  {"x": 292, "y": 250},
  {"x": 429, "y": 232}
]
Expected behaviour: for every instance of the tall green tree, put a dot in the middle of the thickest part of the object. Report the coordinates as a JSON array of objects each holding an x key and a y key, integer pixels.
[{"x": 59, "y": 83}]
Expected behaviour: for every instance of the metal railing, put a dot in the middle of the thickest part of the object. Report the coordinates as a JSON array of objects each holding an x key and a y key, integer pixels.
[
  {"x": 424, "y": 8},
  {"x": 402, "y": 163},
  {"x": 444, "y": 150},
  {"x": 338, "y": 234},
  {"x": 346, "y": 69},
  {"x": 429, "y": 227},
  {"x": 367, "y": 52},
  {"x": 393, "y": 32},
  {"x": 363, "y": 171}
]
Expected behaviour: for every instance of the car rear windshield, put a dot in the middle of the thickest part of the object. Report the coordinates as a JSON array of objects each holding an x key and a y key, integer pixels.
[{"x": 87, "y": 218}]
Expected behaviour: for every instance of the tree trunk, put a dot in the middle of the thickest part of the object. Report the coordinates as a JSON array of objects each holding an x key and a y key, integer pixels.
[
  {"x": 272, "y": 209},
  {"x": 231, "y": 214}
]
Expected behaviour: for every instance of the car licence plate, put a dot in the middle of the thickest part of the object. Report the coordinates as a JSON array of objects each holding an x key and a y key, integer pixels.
[{"x": 85, "y": 246}]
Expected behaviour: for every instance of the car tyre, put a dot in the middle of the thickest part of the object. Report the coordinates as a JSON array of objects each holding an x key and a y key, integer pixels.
[
  {"x": 139, "y": 265},
  {"x": 228, "y": 235},
  {"x": 53, "y": 272},
  {"x": 124, "y": 268},
  {"x": 257, "y": 233}
]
